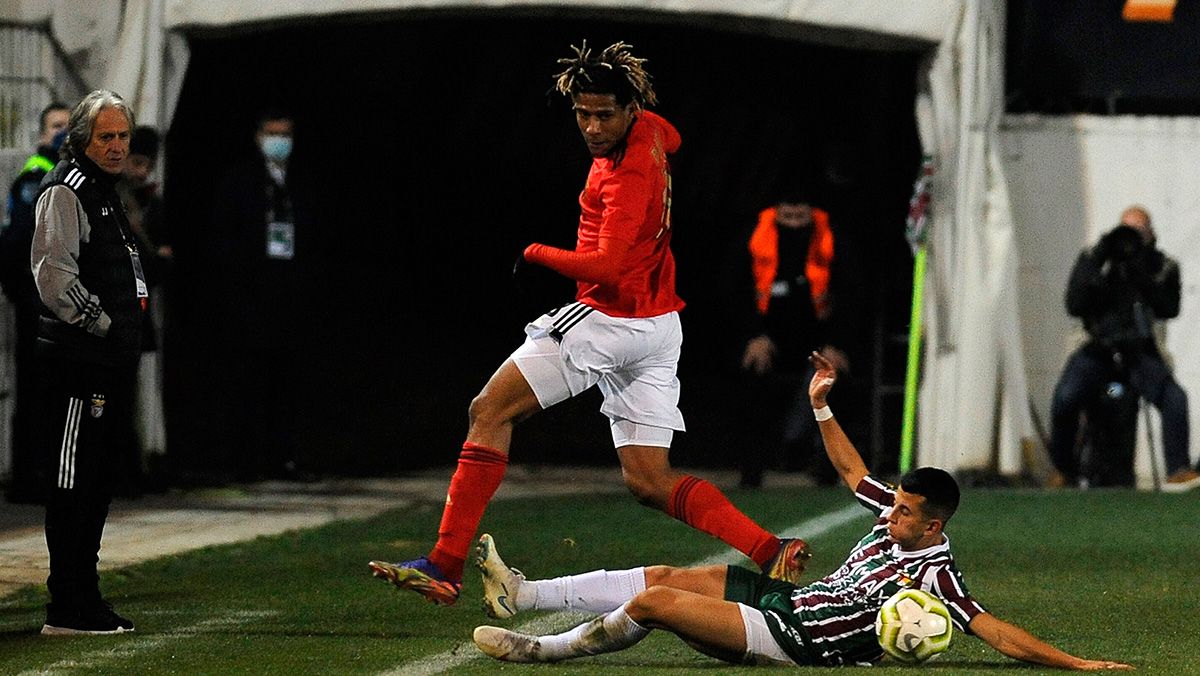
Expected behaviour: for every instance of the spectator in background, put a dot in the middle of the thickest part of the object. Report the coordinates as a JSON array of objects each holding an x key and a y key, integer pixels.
[
  {"x": 260, "y": 218},
  {"x": 88, "y": 272},
  {"x": 145, "y": 201},
  {"x": 1119, "y": 288},
  {"x": 780, "y": 295},
  {"x": 25, "y": 484},
  {"x": 144, "y": 205}
]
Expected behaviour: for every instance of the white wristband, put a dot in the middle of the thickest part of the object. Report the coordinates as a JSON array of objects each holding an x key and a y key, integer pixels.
[{"x": 822, "y": 414}]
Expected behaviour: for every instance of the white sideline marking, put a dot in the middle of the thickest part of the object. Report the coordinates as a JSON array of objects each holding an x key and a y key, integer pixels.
[
  {"x": 561, "y": 621},
  {"x": 98, "y": 659}
]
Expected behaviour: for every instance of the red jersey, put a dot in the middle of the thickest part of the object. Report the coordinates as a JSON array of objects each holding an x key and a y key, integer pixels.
[{"x": 622, "y": 260}]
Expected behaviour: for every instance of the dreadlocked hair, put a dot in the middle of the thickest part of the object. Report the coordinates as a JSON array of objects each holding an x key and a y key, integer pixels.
[{"x": 613, "y": 71}]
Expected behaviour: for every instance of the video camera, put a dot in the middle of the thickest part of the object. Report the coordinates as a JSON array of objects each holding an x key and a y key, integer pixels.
[{"x": 1122, "y": 243}]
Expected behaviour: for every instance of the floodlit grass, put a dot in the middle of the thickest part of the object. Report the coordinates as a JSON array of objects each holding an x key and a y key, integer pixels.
[{"x": 1104, "y": 574}]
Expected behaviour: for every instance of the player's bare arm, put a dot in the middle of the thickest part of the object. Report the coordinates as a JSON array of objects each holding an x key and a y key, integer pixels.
[
  {"x": 1019, "y": 644},
  {"x": 845, "y": 458}
]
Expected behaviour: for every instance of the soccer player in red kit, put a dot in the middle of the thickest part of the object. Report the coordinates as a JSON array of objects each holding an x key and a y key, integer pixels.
[{"x": 621, "y": 333}]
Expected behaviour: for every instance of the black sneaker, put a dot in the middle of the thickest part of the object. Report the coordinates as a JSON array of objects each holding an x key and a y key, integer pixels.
[{"x": 96, "y": 619}]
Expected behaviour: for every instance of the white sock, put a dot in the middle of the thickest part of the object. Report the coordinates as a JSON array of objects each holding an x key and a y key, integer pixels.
[
  {"x": 609, "y": 633},
  {"x": 598, "y": 591}
]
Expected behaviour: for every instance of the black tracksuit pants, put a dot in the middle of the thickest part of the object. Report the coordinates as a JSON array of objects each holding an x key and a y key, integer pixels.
[{"x": 84, "y": 410}]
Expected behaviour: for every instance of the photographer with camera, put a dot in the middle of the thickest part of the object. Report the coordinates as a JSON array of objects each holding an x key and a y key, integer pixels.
[{"x": 1119, "y": 288}]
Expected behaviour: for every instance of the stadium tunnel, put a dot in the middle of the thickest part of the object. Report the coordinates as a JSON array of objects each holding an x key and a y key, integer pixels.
[{"x": 441, "y": 155}]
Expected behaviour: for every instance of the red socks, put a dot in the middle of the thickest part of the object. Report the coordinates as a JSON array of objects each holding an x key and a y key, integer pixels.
[
  {"x": 693, "y": 501},
  {"x": 480, "y": 470},
  {"x": 704, "y": 507}
]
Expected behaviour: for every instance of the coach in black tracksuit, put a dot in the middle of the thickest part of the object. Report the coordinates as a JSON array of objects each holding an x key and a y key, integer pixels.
[{"x": 88, "y": 272}]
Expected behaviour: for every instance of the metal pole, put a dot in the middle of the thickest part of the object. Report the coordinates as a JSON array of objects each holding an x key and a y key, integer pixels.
[{"x": 1150, "y": 442}]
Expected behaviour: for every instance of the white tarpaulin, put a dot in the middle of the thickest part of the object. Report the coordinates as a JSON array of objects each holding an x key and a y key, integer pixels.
[
  {"x": 919, "y": 19},
  {"x": 972, "y": 409},
  {"x": 149, "y": 62}
]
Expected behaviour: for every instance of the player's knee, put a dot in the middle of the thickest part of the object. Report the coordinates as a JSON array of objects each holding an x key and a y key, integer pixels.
[
  {"x": 477, "y": 408},
  {"x": 499, "y": 406},
  {"x": 648, "y": 477},
  {"x": 660, "y": 575},
  {"x": 486, "y": 410},
  {"x": 640, "y": 491},
  {"x": 646, "y": 489},
  {"x": 652, "y": 604}
]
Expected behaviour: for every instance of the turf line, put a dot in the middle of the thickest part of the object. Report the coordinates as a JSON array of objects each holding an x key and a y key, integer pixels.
[
  {"x": 132, "y": 648},
  {"x": 560, "y": 621}
]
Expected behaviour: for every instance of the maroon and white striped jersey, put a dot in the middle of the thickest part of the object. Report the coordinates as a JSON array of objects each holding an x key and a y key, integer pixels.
[{"x": 838, "y": 611}]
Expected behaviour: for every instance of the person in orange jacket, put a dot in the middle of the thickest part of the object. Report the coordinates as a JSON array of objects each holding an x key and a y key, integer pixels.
[{"x": 791, "y": 253}]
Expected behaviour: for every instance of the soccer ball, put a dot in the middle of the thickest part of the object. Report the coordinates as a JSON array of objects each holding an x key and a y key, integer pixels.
[{"x": 913, "y": 626}]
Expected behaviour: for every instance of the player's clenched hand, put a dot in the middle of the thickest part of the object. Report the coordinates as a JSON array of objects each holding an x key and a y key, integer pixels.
[{"x": 822, "y": 380}]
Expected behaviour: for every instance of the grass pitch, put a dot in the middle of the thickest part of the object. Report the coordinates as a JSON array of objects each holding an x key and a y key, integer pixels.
[{"x": 1109, "y": 574}]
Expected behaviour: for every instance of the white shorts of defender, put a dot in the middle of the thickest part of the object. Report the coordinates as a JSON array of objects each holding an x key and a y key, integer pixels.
[
  {"x": 632, "y": 360},
  {"x": 761, "y": 647}
]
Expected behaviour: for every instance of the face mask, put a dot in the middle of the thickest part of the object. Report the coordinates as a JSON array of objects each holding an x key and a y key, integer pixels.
[{"x": 276, "y": 148}]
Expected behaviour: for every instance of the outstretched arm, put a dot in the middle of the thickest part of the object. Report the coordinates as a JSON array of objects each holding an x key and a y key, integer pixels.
[
  {"x": 1021, "y": 645},
  {"x": 845, "y": 458},
  {"x": 600, "y": 266}
]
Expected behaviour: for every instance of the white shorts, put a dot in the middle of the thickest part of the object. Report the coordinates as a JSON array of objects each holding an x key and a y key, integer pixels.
[
  {"x": 761, "y": 647},
  {"x": 632, "y": 360}
]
